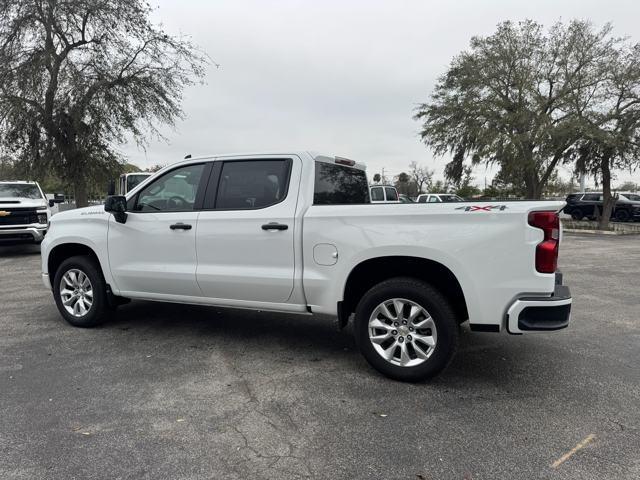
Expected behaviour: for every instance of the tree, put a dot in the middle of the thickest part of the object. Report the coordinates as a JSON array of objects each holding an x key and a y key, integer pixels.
[
  {"x": 465, "y": 187},
  {"x": 78, "y": 77},
  {"x": 611, "y": 126},
  {"x": 628, "y": 187},
  {"x": 376, "y": 178},
  {"x": 405, "y": 185},
  {"x": 508, "y": 100},
  {"x": 421, "y": 176}
]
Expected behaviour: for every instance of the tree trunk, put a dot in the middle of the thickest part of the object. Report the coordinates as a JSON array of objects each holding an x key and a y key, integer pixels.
[
  {"x": 534, "y": 190},
  {"x": 80, "y": 191},
  {"x": 607, "y": 200}
]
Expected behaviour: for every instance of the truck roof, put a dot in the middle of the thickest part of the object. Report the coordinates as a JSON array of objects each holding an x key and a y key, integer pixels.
[
  {"x": 304, "y": 155},
  {"x": 23, "y": 182}
]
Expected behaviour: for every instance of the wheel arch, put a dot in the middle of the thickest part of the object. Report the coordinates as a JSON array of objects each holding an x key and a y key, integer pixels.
[
  {"x": 372, "y": 271},
  {"x": 61, "y": 252}
]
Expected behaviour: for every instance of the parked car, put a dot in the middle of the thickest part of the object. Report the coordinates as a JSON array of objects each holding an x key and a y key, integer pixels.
[
  {"x": 24, "y": 212},
  {"x": 439, "y": 198},
  {"x": 583, "y": 204},
  {"x": 296, "y": 233},
  {"x": 383, "y": 194}
]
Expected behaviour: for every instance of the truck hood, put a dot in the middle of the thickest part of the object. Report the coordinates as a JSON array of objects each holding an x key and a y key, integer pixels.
[
  {"x": 17, "y": 202},
  {"x": 95, "y": 211}
]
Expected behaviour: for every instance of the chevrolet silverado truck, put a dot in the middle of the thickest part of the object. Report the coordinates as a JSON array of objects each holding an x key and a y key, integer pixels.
[
  {"x": 24, "y": 212},
  {"x": 297, "y": 233}
]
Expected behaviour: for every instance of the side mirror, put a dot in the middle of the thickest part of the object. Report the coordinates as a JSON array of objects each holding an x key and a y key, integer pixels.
[
  {"x": 52, "y": 202},
  {"x": 117, "y": 205}
]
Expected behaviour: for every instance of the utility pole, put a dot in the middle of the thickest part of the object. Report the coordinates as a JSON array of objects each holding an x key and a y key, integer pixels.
[{"x": 582, "y": 181}]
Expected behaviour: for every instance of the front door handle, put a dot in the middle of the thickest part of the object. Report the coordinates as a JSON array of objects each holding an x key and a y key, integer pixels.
[
  {"x": 274, "y": 226},
  {"x": 180, "y": 226}
]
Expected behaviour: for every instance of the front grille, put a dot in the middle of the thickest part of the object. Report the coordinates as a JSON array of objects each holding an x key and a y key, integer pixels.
[{"x": 18, "y": 216}]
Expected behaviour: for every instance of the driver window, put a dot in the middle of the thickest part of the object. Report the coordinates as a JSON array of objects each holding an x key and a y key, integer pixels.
[{"x": 173, "y": 192}]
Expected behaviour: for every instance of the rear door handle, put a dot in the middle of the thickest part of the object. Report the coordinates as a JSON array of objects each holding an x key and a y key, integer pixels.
[
  {"x": 180, "y": 226},
  {"x": 274, "y": 226}
]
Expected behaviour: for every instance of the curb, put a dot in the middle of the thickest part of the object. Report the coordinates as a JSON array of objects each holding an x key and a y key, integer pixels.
[{"x": 598, "y": 232}]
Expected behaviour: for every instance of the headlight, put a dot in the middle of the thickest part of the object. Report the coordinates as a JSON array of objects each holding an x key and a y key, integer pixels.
[{"x": 42, "y": 218}]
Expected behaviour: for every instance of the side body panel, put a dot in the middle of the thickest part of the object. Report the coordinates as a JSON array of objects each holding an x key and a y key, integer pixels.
[{"x": 491, "y": 252}]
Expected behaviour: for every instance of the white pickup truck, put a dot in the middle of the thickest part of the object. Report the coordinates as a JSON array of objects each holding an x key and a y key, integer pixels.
[
  {"x": 297, "y": 233},
  {"x": 24, "y": 212}
]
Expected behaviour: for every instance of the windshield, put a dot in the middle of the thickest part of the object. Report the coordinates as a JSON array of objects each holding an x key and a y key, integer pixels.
[
  {"x": 451, "y": 198},
  {"x": 134, "y": 180},
  {"x": 19, "y": 190},
  {"x": 634, "y": 197}
]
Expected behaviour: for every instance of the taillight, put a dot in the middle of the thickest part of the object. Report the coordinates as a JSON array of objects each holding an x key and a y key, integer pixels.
[{"x": 547, "y": 250}]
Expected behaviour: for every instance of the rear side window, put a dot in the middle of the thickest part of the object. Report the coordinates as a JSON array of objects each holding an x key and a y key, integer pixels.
[
  {"x": 377, "y": 195},
  {"x": 392, "y": 195},
  {"x": 339, "y": 185},
  {"x": 591, "y": 197},
  {"x": 252, "y": 184}
]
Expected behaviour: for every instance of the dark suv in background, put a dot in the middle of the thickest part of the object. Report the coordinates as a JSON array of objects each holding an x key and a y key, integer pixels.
[{"x": 583, "y": 204}]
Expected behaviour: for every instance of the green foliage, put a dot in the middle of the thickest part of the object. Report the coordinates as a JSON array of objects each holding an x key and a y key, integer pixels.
[
  {"x": 515, "y": 99},
  {"x": 406, "y": 185},
  {"x": 78, "y": 77},
  {"x": 628, "y": 187}
]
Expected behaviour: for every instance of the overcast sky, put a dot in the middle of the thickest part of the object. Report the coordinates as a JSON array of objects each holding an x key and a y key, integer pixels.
[{"x": 338, "y": 77}]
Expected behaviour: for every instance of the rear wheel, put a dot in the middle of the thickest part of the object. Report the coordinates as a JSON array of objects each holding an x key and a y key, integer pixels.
[
  {"x": 577, "y": 214},
  {"x": 622, "y": 215},
  {"x": 406, "y": 329},
  {"x": 80, "y": 292}
]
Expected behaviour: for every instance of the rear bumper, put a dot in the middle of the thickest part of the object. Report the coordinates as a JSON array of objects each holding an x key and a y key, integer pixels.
[
  {"x": 17, "y": 234},
  {"x": 541, "y": 314}
]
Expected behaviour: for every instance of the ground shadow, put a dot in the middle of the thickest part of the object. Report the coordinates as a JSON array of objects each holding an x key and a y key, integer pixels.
[
  {"x": 19, "y": 249},
  {"x": 489, "y": 359}
]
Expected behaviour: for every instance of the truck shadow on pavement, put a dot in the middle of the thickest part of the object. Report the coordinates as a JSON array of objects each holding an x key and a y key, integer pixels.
[
  {"x": 18, "y": 249},
  {"x": 499, "y": 362}
]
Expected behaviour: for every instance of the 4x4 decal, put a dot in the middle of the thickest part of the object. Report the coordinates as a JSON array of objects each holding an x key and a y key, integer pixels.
[{"x": 487, "y": 208}]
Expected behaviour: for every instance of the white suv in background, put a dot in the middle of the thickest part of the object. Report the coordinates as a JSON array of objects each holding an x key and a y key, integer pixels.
[{"x": 24, "y": 212}]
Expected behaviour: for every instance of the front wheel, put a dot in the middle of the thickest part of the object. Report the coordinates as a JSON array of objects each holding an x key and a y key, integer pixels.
[
  {"x": 80, "y": 292},
  {"x": 406, "y": 329}
]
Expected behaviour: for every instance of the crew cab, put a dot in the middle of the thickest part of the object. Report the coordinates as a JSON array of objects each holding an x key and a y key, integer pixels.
[
  {"x": 297, "y": 233},
  {"x": 24, "y": 212}
]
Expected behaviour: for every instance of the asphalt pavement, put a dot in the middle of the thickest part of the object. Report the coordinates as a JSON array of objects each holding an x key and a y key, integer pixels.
[{"x": 182, "y": 392}]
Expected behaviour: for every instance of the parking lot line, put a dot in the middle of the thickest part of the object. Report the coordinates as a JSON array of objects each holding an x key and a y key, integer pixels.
[{"x": 567, "y": 455}]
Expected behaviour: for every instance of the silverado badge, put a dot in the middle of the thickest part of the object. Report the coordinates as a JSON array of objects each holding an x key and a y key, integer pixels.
[{"x": 4, "y": 213}]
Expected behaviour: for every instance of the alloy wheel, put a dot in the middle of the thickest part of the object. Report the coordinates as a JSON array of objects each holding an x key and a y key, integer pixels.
[
  {"x": 402, "y": 332},
  {"x": 76, "y": 292}
]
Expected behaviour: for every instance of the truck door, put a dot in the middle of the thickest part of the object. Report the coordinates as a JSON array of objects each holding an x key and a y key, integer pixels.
[
  {"x": 245, "y": 236},
  {"x": 154, "y": 251}
]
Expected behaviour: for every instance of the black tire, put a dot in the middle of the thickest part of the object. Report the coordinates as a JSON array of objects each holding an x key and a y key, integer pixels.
[
  {"x": 622, "y": 215},
  {"x": 430, "y": 299},
  {"x": 577, "y": 214},
  {"x": 97, "y": 312}
]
